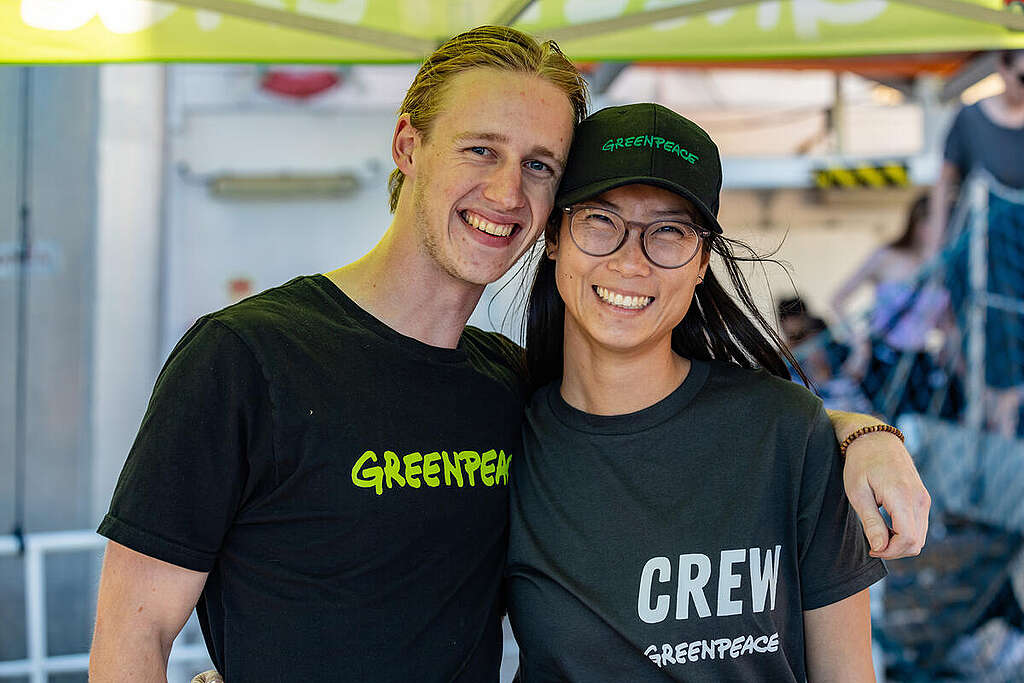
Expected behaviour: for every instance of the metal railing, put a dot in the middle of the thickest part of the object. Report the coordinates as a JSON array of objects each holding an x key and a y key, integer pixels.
[{"x": 39, "y": 665}]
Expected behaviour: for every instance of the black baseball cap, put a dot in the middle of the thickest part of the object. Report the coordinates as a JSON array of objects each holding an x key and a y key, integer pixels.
[{"x": 647, "y": 144}]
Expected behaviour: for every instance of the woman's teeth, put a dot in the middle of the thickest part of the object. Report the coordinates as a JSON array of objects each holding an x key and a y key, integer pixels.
[
  {"x": 484, "y": 225},
  {"x": 630, "y": 302}
]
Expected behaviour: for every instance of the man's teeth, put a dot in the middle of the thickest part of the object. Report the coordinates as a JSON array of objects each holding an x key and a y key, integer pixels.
[
  {"x": 484, "y": 225},
  {"x": 633, "y": 302}
]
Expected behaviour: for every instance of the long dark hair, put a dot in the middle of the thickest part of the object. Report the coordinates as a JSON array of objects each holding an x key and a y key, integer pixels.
[
  {"x": 715, "y": 326},
  {"x": 916, "y": 217}
]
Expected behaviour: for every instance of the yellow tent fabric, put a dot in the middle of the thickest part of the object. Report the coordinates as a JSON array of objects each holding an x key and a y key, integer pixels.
[{"x": 382, "y": 31}]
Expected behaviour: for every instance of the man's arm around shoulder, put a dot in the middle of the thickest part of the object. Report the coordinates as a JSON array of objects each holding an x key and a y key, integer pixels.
[
  {"x": 880, "y": 472},
  {"x": 143, "y": 603}
]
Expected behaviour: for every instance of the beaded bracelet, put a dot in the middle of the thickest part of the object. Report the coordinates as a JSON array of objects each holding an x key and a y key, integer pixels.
[{"x": 867, "y": 430}]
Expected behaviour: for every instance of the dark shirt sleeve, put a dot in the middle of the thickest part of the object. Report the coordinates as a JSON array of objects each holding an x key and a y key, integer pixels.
[
  {"x": 833, "y": 552},
  {"x": 957, "y": 151},
  {"x": 186, "y": 473}
]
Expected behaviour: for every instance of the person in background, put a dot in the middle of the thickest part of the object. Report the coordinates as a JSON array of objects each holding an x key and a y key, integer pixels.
[
  {"x": 798, "y": 328},
  {"x": 797, "y": 323},
  {"x": 988, "y": 136},
  {"x": 677, "y": 513},
  {"x": 820, "y": 357},
  {"x": 905, "y": 310}
]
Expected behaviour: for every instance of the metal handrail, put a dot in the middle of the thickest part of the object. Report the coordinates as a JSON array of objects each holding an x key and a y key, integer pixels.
[{"x": 38, "y": 665}]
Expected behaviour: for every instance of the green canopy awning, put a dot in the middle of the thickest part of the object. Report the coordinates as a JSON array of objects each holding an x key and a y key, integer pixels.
[{"x": 369, "y": 31}]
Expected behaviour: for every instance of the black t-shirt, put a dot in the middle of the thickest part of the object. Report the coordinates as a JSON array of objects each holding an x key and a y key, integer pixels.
[
  {"x": 683, "y": 541},
  {"x": 344, "y": 485},
  {"x": 976, "y": 141}
]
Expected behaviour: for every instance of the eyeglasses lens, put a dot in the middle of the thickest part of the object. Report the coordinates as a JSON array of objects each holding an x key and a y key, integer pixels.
[
  {"x": 596, "y": 232},
  {"x": 669, "y": 244}
]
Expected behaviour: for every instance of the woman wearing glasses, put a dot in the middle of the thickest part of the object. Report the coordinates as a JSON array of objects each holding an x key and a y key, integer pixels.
[{"x": 678, "y": 511}]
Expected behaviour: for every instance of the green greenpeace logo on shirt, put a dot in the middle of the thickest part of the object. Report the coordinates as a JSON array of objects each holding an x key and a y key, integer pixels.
[
  {"x": 650, "y": 141},
  {"x": 459, "y": 468}
]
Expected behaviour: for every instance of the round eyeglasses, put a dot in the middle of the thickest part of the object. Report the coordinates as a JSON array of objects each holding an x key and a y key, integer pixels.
[{"x": 665, "y": 243}]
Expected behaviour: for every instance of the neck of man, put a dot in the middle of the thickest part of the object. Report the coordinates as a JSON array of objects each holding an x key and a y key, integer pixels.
[
  {"x": 603, "y": 381},
  {"x": 400, "y": 285}
]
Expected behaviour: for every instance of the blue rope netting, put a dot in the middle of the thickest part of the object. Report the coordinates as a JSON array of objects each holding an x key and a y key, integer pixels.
[{"x": 1004, "y": 291}]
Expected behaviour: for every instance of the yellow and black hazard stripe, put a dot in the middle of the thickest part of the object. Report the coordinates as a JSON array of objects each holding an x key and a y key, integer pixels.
[{"x": 891, "y": 174}]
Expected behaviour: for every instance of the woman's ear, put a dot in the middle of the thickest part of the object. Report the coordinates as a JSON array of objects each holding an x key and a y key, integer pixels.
[
  {"x": 403, "y": 143},
  {"x": 705, "y": 259},
  {"x": 550, "y": 248}
]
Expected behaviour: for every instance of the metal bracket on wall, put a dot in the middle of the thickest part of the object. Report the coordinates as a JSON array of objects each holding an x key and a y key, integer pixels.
[{"x": 275, "y": 186}]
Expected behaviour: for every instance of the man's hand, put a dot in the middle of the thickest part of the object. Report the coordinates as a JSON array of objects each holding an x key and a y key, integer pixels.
[{"x": 880, "y": 472}]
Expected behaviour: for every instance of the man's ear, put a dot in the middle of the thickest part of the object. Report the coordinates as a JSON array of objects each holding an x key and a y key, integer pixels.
[{"x": 403, "y": 143}]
